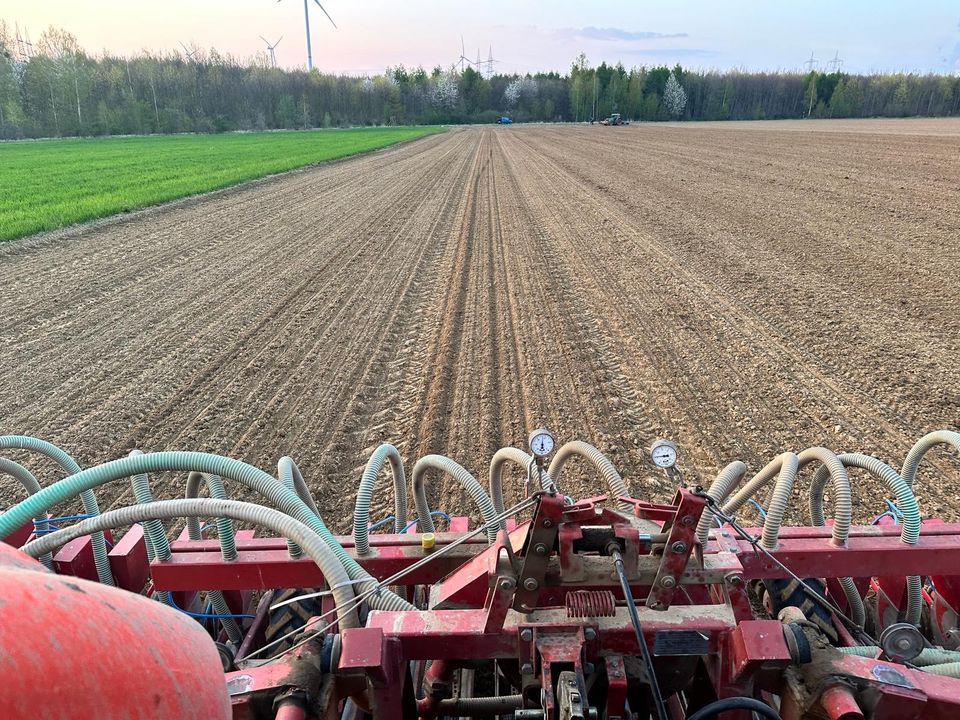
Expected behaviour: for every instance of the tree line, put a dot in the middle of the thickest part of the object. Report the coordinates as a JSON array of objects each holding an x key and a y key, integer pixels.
[{"x": 56, "y": 89}]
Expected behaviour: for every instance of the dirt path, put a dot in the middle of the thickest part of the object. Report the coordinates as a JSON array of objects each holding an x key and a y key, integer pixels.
[{"x": 740, "y": 288}]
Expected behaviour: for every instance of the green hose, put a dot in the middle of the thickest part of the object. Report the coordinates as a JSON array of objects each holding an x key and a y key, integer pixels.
[
  {"x": 361, "y": 511},
  {"x": 906, "y": 502},
  {"x": 464, "y": 478},
  {"x": 305, "y": 536},
  {"x": 228, "y": 547},
  {"x": 252, "y": 477},
  {"x": 31, "y": 485},
  {"x": 90, "y": 507}
]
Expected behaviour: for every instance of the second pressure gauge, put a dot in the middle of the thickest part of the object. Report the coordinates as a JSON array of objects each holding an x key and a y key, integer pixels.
[
  {"x": 541, "y": 443},
  {"x": 664, "y": 454}
]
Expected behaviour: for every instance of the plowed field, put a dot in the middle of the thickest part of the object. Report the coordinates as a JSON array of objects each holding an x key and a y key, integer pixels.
[{"x": 743, "y": 289}]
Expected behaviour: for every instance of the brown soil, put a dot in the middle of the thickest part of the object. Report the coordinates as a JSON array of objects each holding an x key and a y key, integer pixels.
[{"x": 742, "y": 289}]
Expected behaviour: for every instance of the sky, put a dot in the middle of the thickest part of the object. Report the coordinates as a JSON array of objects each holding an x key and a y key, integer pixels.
[{"x": 525, "y": 35}]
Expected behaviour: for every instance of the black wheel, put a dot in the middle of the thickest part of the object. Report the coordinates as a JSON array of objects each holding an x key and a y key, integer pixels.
[{"x": 291, "y": 617}]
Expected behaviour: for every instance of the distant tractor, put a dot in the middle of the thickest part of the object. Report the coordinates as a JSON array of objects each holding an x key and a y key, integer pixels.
[
  {"x": 614, "y": 119},
  {"x": 504, "y": 120}
]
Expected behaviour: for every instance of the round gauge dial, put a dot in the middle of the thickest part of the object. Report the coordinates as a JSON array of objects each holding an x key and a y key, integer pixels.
[
  {"x": 664, "y": 454},
  {"x": 541, "y": 443}
]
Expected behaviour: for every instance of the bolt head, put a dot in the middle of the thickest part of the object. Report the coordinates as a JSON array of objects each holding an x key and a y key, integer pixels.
[
  {"x": 617, "y": 673},
  {"x": 668, "y": 581},
  {"x": 590, "y": 634},
  {"x": 686, "y": 520},
  {"x": 540, "y": 549},
  {"x": 527, "y": 668},
  {"x": 679, "y": 547},
  {"x": 506, "y": 584},
  {"x": 526, "y": 634},
  {"x": 530, "y": 584},
  {"x": 588, "y": 668},
  {"x": 547, "y": 523},
  {"x": 735, "y": 580}
]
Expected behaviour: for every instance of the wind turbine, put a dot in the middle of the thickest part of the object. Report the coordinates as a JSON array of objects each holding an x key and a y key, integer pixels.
[
  {"x": 463, "y": 56},
  {"x": 273, "y": 58},
  {"x": 306, "y": 24}
]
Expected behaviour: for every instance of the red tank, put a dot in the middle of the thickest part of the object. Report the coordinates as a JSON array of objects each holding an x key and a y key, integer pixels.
[{"x": 77, "y": 649}]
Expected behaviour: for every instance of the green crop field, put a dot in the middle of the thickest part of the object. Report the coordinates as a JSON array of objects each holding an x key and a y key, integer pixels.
[{"x": 48, "y": 184}]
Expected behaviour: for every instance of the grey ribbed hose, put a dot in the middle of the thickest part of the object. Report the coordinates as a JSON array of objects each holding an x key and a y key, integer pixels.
[
  {"x": 467, "y": 481},
  {"x": 228, "y": 547},
  {"x": 361, "y": 511},
  {"x": 938, "y": 437},
  {"x": 98, "y": 542},
  {"x": 518, "y": 457},
  {"x": 254, "y": 478},
  {"x": 31, "y": 485},
  {"x": 291, "y": 476},
  {"x": 725, "y": 482},
  {"x": 786, "y": 460},
  {"x": 615, "y": 485},
  {"x": 286, "y": 526},
  {"x": 784, "y": 467},
  {"x": 842, "y": 514},
  {"x": 906, "y": 502}
]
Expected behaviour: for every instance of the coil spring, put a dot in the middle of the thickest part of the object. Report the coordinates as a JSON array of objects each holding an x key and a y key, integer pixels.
[{"x": 591, "y": 603}]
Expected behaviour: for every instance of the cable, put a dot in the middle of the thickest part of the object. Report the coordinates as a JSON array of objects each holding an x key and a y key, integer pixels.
[
  {"x": 714, "y": 709},
  {"x": 205, "y": 615},
  {"x": 433, "y": 513},
  {"x": 641, "y": 640}
]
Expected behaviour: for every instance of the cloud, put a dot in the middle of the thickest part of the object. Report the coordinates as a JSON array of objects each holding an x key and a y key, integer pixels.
[{"x": 619, "y": 34}]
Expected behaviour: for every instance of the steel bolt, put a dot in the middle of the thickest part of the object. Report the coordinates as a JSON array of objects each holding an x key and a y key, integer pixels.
[
  {"x": 530, "y": 584},
  {"x": 668, "y": 581},
  {"x": 526, "y": 634},
  {"x": 547, "y": 523},
  {"x": 590, "y": 634},
  {"x": 540, "y": 549},
  {"x": 686, "y": 520},
  {"x": 679, "y": 547},
  {"x": 527, "y": 668},
  {"x": 616, "y": 674},
  {"x": 735, "y": 580},
  {"x": 507, "y": 584}
]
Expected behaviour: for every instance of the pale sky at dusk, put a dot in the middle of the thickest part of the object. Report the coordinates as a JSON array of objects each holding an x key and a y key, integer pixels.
[{"x": 525, "y": 35}]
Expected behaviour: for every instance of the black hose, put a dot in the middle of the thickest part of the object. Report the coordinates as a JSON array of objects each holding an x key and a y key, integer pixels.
[
  {"x": 658, "y": 703},
  {"x": 735, "y": 703}
]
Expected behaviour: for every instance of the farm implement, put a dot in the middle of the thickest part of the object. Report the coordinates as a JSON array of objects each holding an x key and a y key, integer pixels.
[{"x": 554, "y": 608}]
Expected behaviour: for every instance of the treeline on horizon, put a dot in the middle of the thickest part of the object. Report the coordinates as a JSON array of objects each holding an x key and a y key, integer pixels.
[{"x": 59, "y": 90}]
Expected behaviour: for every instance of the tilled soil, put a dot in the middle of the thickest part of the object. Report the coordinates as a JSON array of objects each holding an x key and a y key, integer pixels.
[{"x": 740, "y": 288}]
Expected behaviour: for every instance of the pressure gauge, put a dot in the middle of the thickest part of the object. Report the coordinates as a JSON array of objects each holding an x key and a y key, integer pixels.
[
  {"x": 664, "y": 454},
  {"x": 541, "y": 443}
]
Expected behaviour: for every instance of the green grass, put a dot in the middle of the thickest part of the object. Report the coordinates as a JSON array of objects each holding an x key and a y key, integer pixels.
[{"x": 48, "y": 184}]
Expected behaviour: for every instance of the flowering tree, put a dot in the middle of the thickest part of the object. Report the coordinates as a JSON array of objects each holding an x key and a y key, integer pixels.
[
  {"x": 674, "y": 96},
  {"x": 446, "y": 92}
]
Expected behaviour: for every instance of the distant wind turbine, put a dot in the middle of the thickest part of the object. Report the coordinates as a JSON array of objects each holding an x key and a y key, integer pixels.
[
  {"x": 306, "y": 24},
  {"x": 273, "y": 58},
  {"x": 189, "y": 53}
]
